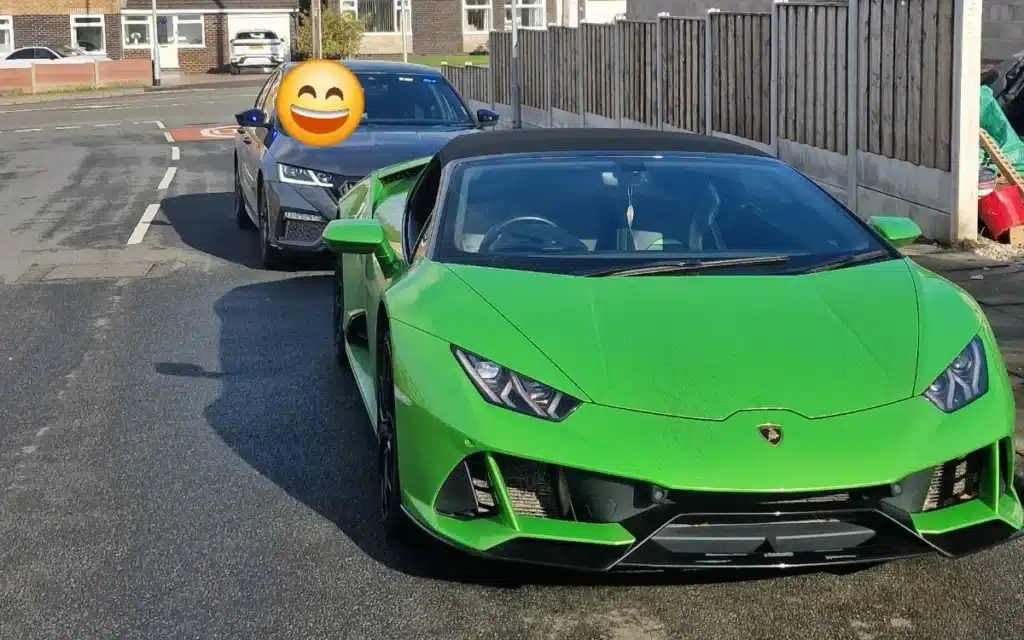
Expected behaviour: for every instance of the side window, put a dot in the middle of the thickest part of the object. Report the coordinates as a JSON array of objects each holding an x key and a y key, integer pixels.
[
  {"x": 45, "y": 54},
  {"x": 352, "y": 203},
  {"x": 261, "y": 98},
  {"x": 24, "y": 54},
  {"x": 389, "y": 213},
  {"x": 270, "y": 100}
]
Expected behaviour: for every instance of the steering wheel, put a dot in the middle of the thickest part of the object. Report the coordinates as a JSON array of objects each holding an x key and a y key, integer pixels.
[{"x": 495, "y": 232}]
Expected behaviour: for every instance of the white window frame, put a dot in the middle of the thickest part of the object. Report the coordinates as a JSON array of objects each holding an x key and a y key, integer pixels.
[
  {"x": 136, "y": 19},
  {"x": 7, "y": 24},
  {"x": 202, "y": 27},
  {"x": 510, "y": 13},
  {"x": 352, "y": 6},
  {"x": 103, "y": 30},
  {"x": 488, "y": 10}
]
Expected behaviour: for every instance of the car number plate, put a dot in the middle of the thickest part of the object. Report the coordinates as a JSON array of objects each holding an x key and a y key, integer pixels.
[{"x": 258, "y": 47}]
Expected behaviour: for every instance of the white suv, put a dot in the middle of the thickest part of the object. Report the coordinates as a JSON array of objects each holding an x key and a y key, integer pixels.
[{"x": 260, "y": 49}]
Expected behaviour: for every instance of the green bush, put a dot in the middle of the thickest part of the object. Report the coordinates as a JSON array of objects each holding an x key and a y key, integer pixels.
[{"x": 342, "y": 35}]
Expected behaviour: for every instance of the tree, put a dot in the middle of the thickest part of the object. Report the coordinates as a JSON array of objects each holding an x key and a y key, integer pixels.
[{"x": 342, "y": 35}]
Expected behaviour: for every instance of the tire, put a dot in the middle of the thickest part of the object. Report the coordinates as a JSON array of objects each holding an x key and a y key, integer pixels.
[
  {"x": 242, "y": 218},
  {"x": 270, "y": 256},
  {"x": 395, "y": 522},
  {"x": 234, "y": 70},
  {"x": 339, "y": 314}
]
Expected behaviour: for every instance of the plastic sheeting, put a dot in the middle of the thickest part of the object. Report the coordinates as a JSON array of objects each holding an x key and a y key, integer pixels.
[{"x": 994, "y": 121}]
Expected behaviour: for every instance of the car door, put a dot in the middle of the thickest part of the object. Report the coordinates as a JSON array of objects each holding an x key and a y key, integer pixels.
[{"x": 249, "y": 144}]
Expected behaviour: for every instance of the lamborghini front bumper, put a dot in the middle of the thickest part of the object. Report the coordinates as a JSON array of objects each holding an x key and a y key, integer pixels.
[
  {"x": 612, "y": 489},
  {"x": 548, "y": 515}
]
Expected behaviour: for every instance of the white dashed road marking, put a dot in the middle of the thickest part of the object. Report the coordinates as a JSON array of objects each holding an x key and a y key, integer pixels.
[
  {"x": 74, "y": 126},
  {"x": 26, "y": 130},
  {"x": 159, "y": 125},
  {"x": 108, "y": 124},
  {"x": 143, "y": 226},
  {"x": 167, "y": 134},
  {"x": 166, "y": 182},
  {"x": 175, "y": 153}
]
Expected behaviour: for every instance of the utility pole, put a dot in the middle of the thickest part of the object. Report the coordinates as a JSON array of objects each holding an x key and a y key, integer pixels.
[
  {"x": 517, "y": 102},
  {"x": 156, "y": 50},
  {"x": 316, "y": 13}
]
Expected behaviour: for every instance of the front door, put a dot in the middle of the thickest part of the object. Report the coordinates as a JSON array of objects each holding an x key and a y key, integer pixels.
[{"x": 167, "y": 39}]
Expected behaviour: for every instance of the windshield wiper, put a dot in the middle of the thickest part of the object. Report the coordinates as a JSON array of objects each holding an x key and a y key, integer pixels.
[
  {"x": 849, "y": 261},
  {"x": 665, "y": 267}
]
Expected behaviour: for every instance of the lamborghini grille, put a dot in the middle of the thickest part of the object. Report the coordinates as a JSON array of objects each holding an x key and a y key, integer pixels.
[{"x": 529, "y": 487}]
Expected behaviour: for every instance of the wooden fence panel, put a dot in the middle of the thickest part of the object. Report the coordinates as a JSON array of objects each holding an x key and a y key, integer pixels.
[
  {"x": 564, "y": 63},
  {"x": 683, "y": 65},
  {"x": 500, "y": 47},
  {"x": 599, "y": 95},
  {"x": 906, "y": 62},
  {"x": 639, "y": 71},
  {"x": 741, "y": 74},
  {"x": 812, "y": 74}
]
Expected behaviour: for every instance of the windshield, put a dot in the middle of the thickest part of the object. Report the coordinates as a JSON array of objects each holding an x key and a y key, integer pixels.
[
  {"x": 578, "y": 213},
  {"x": 411, "y": 99}
]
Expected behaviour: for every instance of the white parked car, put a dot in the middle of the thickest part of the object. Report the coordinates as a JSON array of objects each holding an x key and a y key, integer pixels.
[
  {"x": 27, "y": 56},
  {"x": 260, "y": 49}
]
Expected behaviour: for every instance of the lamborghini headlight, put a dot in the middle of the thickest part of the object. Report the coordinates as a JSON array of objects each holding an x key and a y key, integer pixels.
[
  {"x": 963, "y": 381},
  {"x": 503, "y": 387},
  {"x": 298, "y": 175}
]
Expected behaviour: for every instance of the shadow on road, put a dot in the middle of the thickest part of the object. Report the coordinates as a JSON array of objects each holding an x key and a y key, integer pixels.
[
  {"x": 289, "y": 412},
  {"x": 206, "y": 223}
]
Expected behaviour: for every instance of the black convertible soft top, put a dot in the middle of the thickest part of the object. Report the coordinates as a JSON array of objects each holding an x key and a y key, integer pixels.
[{"x": 563, "y": 140}]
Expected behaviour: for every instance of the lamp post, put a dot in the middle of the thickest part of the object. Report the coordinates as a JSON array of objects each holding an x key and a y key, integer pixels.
[
  {"x": 401, "y": 28},
  {"x": 156, "y": 50},
  {"x": 517, "y": 106}
]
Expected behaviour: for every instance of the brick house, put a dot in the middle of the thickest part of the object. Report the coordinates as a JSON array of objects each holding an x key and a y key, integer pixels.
[
  {"x": 194, "y": 35},
  {"x": 441, "y": 27}
]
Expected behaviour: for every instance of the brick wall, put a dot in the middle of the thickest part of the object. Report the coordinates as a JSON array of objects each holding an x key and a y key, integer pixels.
[
  {"x": 213, "y": 57},
  {"x": 436, "y": 27},
  {"x": 1002, "y": 30},
  {"x": 54, "y": 31}
]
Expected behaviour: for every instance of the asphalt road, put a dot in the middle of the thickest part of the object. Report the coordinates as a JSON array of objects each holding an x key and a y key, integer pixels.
[{"x": 180, "y": 459}]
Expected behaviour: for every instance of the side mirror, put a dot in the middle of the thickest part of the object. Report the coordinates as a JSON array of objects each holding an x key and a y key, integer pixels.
[
  {"x": 360, "y": 236},
  {"x": 363, "y": 237},
  {"x": 252, "y": 118},
  {"x": 897, "y": 230},
  {"x": 487, "y": 117}
]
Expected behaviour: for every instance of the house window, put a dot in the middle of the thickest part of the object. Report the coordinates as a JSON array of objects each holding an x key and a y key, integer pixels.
[
  {"x": 350, "y": 7},
  {"x": 6, "y": 35},
  {"x": 531, "y": 14},
  {"x": 476, "y": 16},
  {"x": 191, "y": 30},
  {"x": 88, "y": 33},
  {"x": 382, "y": 16},
  {"x": 135, "y": 32}
]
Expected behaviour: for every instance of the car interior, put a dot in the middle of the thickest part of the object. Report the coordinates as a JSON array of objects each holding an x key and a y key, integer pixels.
[{"x": 598, "y": 208}]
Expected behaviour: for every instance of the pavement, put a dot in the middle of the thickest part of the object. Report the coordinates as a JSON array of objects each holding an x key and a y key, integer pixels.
[{"x": 180, "y": 459}]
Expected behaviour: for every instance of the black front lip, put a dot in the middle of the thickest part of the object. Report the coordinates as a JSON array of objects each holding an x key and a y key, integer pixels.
[
  {"x": 301, "y": 199},
  {"x": 590, "y": 557}
]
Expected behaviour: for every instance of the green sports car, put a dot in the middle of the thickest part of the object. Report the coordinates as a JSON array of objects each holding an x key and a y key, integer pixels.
[{"x": 627, "y": 350}]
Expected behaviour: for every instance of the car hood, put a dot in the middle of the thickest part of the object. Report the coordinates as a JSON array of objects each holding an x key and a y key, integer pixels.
[
  {"x": 708, "y": 346},
  {"x": 366, "y": 150}
]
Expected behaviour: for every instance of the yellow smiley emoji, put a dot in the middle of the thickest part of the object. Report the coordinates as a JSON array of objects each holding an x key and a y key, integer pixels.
[{"x": 320, "y": 103}]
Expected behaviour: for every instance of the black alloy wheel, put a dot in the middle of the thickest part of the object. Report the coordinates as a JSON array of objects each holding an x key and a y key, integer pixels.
[
  {"x": 396, "y": 523},
  {"x": 339, "y": 320},
  {"x": 270, "y": 256}
]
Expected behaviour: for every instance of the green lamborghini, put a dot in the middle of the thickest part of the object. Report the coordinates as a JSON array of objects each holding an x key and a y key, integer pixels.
[{"x": 625, "y": 350}]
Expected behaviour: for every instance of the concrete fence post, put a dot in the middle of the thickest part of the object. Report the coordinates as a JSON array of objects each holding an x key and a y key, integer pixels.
[
  {"x": 709, "y": 66},
  {"x": 96, "y": 74},
  {"x": 32, "y": 78},
  {"x": 581, "y": 94},
  {"x": 852, "y": 104},
  {"x": 659, "y": 66},
  {"x": 617, "y": 31},
  {"x": 548, "y": 73},
  {"x": 963, "y": 222}
]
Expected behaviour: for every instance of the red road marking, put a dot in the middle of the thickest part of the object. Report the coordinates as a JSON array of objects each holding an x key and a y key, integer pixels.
[{"x": 202, "y": 133}]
